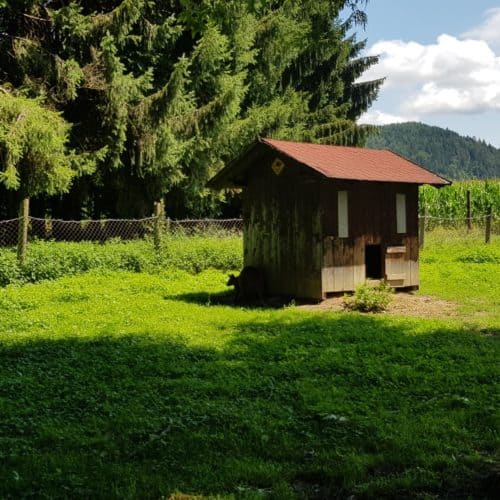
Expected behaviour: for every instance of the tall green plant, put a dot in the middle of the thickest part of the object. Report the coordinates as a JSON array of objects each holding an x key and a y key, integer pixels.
[{"x": 451, "y": 201}]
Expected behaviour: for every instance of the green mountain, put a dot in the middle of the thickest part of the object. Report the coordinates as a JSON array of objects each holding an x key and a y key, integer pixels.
[{"x": 440, "y": 150}]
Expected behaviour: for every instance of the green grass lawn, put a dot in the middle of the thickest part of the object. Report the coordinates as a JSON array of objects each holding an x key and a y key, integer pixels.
[
  {"x": 465, "y": 271},
  {"x": 132, "y": 385}
]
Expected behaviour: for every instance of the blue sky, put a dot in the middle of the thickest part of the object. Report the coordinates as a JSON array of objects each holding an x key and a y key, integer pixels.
[{"x": 442, "y": 63}]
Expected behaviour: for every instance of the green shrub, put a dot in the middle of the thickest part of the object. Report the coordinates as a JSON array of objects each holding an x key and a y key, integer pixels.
[
  {"x": 196, "y": 253},
  {"x": 48, "y": 260},
  {"x": 9, "y": 270},
  {"x": 368, "y": 298}
]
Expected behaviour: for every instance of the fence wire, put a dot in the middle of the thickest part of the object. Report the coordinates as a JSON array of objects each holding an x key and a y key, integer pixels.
[
  {"x": 132, "y": 229},
  {"x": 8, "y": 232},
  {"x": 121, "y": 229},
  {"x": 202, "y": 227},
  {"x": 447, "y": 229}
]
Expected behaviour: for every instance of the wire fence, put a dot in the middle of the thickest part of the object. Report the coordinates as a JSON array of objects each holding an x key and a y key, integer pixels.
[
  {"x": 112, "y": 229},
  {"x": 445, "y": 230},
  {"x": 433, "y": 228}
]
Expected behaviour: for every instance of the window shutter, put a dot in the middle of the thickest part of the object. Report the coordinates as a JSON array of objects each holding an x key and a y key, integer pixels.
[
  {"x": 343, "y": 216},
  {"x": 400, "y": 213}
]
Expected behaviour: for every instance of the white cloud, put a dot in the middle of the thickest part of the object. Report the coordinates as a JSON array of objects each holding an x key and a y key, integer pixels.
[
  {"x": 489, "y": 30},
  {"x": 435, "y": 99},
  {"x": 376, "y": 117},
  {"x": 451, "y": 75}
]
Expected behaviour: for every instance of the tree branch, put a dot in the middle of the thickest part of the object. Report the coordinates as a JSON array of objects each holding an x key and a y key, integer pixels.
[{"x": 36, "y": 18}]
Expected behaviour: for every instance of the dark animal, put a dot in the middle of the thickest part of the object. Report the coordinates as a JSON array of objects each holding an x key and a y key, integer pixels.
[{"x": 249, "y": 285}]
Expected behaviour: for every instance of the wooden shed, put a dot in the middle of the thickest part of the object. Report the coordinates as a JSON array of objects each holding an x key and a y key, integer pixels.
[{"x": 321, "y": 219}]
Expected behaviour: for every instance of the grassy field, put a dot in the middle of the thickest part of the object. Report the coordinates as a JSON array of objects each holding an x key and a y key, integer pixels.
[
  {"x": 117, "y": 384},
  {"x": 466, "y": 271}
]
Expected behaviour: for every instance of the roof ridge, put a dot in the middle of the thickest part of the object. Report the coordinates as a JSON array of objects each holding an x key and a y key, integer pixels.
[{"x": 266, "y": 140}]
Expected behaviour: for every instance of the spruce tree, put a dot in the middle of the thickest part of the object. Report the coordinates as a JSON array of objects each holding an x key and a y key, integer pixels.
[
  {"x": 161, "y": 94},
  {"x": 34, "y": 159}
]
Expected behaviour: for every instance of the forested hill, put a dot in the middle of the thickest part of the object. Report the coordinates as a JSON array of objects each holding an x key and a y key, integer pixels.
[{"x": 441, "y": 150}]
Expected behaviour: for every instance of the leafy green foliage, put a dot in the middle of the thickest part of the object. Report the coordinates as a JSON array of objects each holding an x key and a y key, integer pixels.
[
  {"x": 481, "y": 255},
  {"x": 168, "y": 92},
  {"x": 369, "y": 298},
  {"x": 108, "y": 380},
  {"x": 52, "y": 260},
  {"x": 440, "y": 150},
  {"x": 9, "y": 269}
]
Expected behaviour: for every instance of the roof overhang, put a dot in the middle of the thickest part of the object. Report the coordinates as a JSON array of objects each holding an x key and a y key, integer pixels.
[{"x": 233, "y": 174}]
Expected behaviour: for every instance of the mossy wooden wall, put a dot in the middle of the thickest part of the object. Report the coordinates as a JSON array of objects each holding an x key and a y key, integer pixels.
[{"x": 283, "y": 228}]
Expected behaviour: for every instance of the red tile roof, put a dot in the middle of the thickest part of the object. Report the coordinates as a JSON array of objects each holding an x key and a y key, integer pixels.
[{"x": 361, "y": 164}]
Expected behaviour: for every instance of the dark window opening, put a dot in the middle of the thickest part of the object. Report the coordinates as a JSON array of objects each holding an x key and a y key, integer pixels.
[{"x": 373, "y": 261}]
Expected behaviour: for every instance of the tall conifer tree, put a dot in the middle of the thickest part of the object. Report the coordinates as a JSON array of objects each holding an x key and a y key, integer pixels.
[{"x": 163, "y": 92}]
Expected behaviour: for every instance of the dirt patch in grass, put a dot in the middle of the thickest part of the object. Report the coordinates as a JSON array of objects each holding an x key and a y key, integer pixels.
[{"x": 402, "y": 304}]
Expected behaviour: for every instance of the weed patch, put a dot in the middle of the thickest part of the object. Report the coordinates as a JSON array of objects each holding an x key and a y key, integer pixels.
[
  {"x": 53, "y": 260},
  {"x": 368, "y": 298},
  {"x": 481, "y": 255}
]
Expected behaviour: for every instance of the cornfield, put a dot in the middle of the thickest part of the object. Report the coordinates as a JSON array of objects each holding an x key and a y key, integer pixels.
[{"x": 450, "y": 202}]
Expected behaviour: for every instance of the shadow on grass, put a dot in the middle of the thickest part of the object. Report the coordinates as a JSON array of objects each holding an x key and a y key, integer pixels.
[
  {"x": 227, "y": 299},
  {"x": 298, "y": 406},
  {"x": 204, "y": 298}
]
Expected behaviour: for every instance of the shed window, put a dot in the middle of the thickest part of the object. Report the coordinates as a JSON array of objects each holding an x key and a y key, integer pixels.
[
  {"x": 343, "y": 219},
  {"x": 400, "y": 213}
]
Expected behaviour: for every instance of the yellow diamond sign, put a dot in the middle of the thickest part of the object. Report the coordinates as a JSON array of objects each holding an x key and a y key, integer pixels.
[{"x": 277, "y": 166}]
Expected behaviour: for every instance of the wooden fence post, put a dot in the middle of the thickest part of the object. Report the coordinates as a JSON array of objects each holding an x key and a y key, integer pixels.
[
  {"x": 159, "y": 223},
  {"x": 167, "y": 223},
  {"x": 487, "y": 235},
  {"x": 469, "y": 220},
  {"x": 22, "y": 235},
  {"x": 421, "y": 229}
]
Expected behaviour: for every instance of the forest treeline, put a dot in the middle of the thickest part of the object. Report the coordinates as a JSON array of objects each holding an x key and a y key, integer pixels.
[
  {"x": 158, "y": 96},
  {"x": 440, "y": 150}
]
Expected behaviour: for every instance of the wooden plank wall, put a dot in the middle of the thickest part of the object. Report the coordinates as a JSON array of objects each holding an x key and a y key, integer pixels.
[
  {"x": 372, "y": 221},
  {"x": 283, "y": 229}
]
